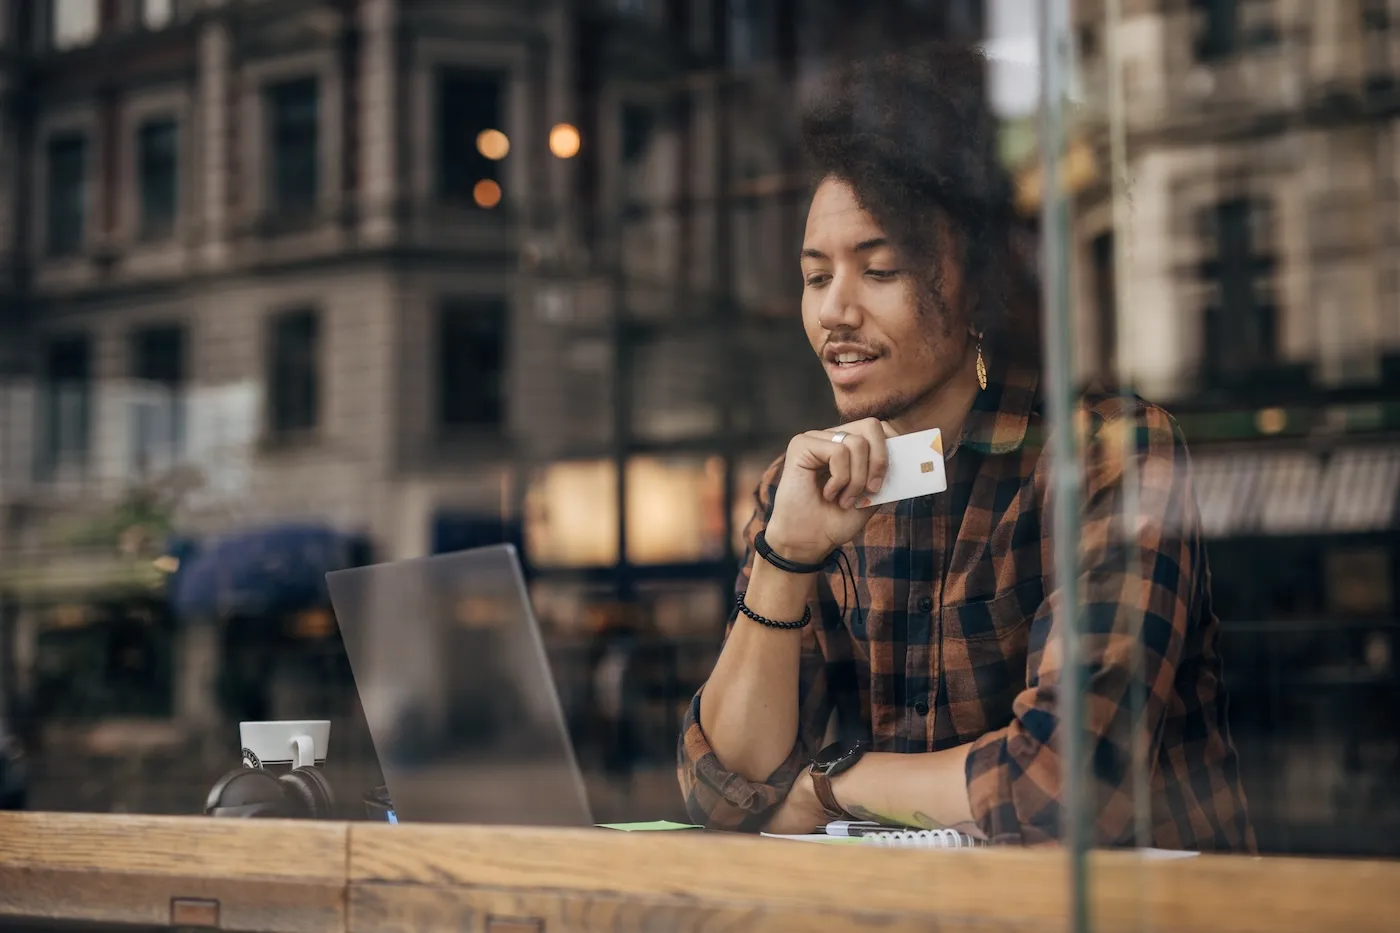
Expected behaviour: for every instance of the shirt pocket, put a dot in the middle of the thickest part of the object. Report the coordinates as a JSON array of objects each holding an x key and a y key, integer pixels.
[{"x": 984, "y": 650}]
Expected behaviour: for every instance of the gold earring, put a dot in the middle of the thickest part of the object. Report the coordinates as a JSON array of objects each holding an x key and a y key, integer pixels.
[{"x": 981, "y": 366}]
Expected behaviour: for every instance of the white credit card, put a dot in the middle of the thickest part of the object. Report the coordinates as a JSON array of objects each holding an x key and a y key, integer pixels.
[{"x": 916, "y": 467}]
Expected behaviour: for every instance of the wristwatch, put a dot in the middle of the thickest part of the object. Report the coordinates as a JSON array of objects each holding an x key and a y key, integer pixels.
[{"x": 831, "y": 761}]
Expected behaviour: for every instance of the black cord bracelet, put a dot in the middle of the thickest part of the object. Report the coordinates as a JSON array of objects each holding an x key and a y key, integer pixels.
[
  {"x": 760, "y": 544},
  {"x": 762, "y": 620}
]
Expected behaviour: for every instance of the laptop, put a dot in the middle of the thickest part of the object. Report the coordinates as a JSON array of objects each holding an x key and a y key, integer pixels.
[{"x": 457, "y": 691}]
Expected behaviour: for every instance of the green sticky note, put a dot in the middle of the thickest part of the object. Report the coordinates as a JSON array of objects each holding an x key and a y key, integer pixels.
[{"x": 651, "y": 827}]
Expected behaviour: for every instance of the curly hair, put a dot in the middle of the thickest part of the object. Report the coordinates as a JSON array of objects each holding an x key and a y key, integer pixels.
[{"x": 913, "y": 135}]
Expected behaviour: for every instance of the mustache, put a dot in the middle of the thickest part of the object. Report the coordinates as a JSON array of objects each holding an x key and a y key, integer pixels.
[{"x": 852, "y": 340}]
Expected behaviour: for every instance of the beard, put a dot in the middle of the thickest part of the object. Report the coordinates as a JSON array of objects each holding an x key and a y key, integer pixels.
[{"x": 882, "y": 408}]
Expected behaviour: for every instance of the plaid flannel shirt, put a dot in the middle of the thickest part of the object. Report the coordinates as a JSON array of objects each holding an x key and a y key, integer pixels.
[{"x": 956, "y": 639}]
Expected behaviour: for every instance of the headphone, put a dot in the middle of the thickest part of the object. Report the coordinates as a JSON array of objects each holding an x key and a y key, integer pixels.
[{"x": 247, "y": 793}]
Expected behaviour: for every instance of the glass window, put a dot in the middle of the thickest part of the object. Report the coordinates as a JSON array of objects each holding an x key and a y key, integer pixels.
[
  {"x": 675, "y": 510},
  {"x": 66, "y": 407},
  {"x": 157, "y": 158},
  {"x": 294, "y": 378},
  {"x": 471, "y": 362},
  {"x": 156, "y": 14},
  {"x": 67, "y": 193},
  {"x": 293, "y": 135},
  {"x": 471, "y": 135},
  {"x": 75, "y": 22},
  {"x": 571, "y": 515},
  {"x": 159, "y": 370}
]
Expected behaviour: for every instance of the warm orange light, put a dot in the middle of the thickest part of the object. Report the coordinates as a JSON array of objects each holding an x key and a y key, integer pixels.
[
  {"x": 1271, "y": 420},
  {"x": 493, "y": 144},
  {"x": 564, "y": 140},
  {"x": 486, "y": 193}
]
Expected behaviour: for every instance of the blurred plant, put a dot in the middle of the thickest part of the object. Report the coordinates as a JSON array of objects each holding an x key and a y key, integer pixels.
[{"x": 139, "y": 523}]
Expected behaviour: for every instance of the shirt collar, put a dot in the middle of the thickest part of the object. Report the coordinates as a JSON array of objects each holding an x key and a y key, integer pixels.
[{"x": 1001, "y": 413}]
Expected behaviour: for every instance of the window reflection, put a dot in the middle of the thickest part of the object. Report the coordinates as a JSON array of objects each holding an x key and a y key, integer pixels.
[
  {"x": 601, "y": 373},
  {"x": 571, "y": 515}
]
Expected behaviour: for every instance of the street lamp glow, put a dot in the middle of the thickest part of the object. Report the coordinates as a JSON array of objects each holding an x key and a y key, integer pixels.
[
  {"x": 493, "y": 144},
  {"x": 564, "y": 140},
  {"x": 486, "y": 193}
]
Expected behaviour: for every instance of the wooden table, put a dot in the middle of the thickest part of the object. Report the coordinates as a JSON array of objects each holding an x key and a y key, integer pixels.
[{"x": 80, "y": 871}]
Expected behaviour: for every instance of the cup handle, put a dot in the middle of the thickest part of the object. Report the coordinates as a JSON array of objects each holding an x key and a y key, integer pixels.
[{"x": 306, "y": 752}]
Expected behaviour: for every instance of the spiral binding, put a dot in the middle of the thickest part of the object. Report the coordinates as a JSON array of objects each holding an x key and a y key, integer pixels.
[{"x": 924, "y": 839}]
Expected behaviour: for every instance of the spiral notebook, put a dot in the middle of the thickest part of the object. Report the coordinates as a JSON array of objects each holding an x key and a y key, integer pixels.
[{"x": 872, "y": 834}]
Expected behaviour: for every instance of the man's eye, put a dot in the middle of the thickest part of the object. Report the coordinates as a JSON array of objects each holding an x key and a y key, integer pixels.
[
  {"x": 817, "y": 279},
  {"x": 882, "y": 273}
]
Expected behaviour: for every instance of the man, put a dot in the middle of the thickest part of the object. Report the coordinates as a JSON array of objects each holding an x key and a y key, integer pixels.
[{"x": 941, "y": 659}]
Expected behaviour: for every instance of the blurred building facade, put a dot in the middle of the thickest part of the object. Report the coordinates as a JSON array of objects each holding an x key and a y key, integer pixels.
[
  {"x": 441, "y": 273},
  {"x": 254, "y": 256},
  {"x": 1246, "y": 275}
]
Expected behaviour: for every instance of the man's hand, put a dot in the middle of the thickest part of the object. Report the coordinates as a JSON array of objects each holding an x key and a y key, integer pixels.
[
  {"x": 800, "y": 812},
  {"x": 819, "y": 505}
]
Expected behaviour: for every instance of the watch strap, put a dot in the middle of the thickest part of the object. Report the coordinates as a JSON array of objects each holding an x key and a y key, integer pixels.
[{"x": 821, "y": 783}]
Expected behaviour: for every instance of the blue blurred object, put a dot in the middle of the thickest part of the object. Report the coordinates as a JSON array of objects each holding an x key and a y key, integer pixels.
[{"x": 262, "y": 571}]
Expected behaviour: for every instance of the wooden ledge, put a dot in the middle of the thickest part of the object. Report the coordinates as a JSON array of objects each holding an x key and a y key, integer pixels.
[
  {"x": 306, "y": 877},
  {"x": 272, "y": 875}
]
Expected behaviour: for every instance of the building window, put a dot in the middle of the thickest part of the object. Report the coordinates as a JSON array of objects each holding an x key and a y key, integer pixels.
[
  {"x": 294, "y": 378},
  {"x": 65, "y": 415},
  {"x": 74, "y": 22},
  {"x": 471, "y": 363},
  {"x": 158, "y": 415},
  {"x": 67, "y": 193},
  {"x": 1241, "y": 316},
  {"x": 1226, "y": 27},
  {"x": 638, "y": 126},
  {"x": 468, "y": 104},
  {"x": 1376, "y": 44},
  {"x": 157, "y": 158},
  {"x": 751, "y": 32},
  {"x": 293, "y": 132},
  {"x": 156, "y": 14}
]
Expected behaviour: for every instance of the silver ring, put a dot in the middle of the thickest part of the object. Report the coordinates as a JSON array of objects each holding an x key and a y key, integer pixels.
[{"x": 839, "y": 437}]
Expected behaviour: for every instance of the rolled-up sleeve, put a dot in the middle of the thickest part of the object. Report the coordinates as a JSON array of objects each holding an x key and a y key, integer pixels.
[
  {"x": 1136, "y": 586},
  {"x": 714, "y": 796}
]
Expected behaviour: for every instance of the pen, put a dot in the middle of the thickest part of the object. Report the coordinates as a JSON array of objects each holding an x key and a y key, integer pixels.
[{"x": 857, "y": 828}]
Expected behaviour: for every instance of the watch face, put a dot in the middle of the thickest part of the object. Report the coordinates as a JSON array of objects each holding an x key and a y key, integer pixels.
[{"x": 837, "y": 757}]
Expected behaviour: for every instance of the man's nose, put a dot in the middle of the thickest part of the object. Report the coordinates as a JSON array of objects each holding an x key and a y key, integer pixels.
[{"x": 840, "y": 305}]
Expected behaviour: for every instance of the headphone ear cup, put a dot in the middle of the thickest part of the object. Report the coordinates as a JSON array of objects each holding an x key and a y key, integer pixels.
[
  {"x": 246, "y": 793},
  {"x": 308, "y": 788}
]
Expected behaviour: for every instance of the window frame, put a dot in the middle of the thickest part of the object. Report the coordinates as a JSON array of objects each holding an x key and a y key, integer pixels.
[
  {"x": 529, "y": 172},
  {"x": 146, "y": 227},
  {"x": 277, "y": 427},
  {"x": 447, "y": 308},
  {"x": 49, "y": 246},
  {"x": 177, "y": 385},
  {"x": 49, "y": 462},
  {"x": 256, "y": 205}
]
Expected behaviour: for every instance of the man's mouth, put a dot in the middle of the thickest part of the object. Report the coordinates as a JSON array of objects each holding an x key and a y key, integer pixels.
[{"x": 846, "y": 367}]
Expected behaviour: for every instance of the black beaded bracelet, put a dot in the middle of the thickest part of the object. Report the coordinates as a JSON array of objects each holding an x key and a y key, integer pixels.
[
  {"x": 762, "y": 620},
  {"x": 760, "y": 544}
]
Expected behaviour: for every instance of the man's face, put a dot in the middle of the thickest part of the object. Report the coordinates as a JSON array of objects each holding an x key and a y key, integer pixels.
[{"x": 883, "y": 352}]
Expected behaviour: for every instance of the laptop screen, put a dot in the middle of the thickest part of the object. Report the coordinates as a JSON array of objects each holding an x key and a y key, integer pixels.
[{"x": 457, "y": 691}]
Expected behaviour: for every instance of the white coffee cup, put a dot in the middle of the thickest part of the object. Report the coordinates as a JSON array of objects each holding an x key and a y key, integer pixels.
[{"x": 292, "y": 742}]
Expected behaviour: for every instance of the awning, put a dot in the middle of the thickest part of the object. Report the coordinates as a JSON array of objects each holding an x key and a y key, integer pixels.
[{"x": 1294, "y": 492}]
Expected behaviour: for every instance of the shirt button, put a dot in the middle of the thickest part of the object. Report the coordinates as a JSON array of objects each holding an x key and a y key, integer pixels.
[
  {"x": 925, "y": 604},
  {"x": 921, "y": 707}
]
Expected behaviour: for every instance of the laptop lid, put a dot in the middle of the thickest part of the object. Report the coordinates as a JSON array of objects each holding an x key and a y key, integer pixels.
[{"x": 457, "y": 691}]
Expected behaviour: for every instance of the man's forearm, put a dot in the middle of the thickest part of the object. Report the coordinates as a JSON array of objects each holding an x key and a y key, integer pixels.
[
  {"x": 927, "y": 790},
  {"x": 749, "y": 705}
]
